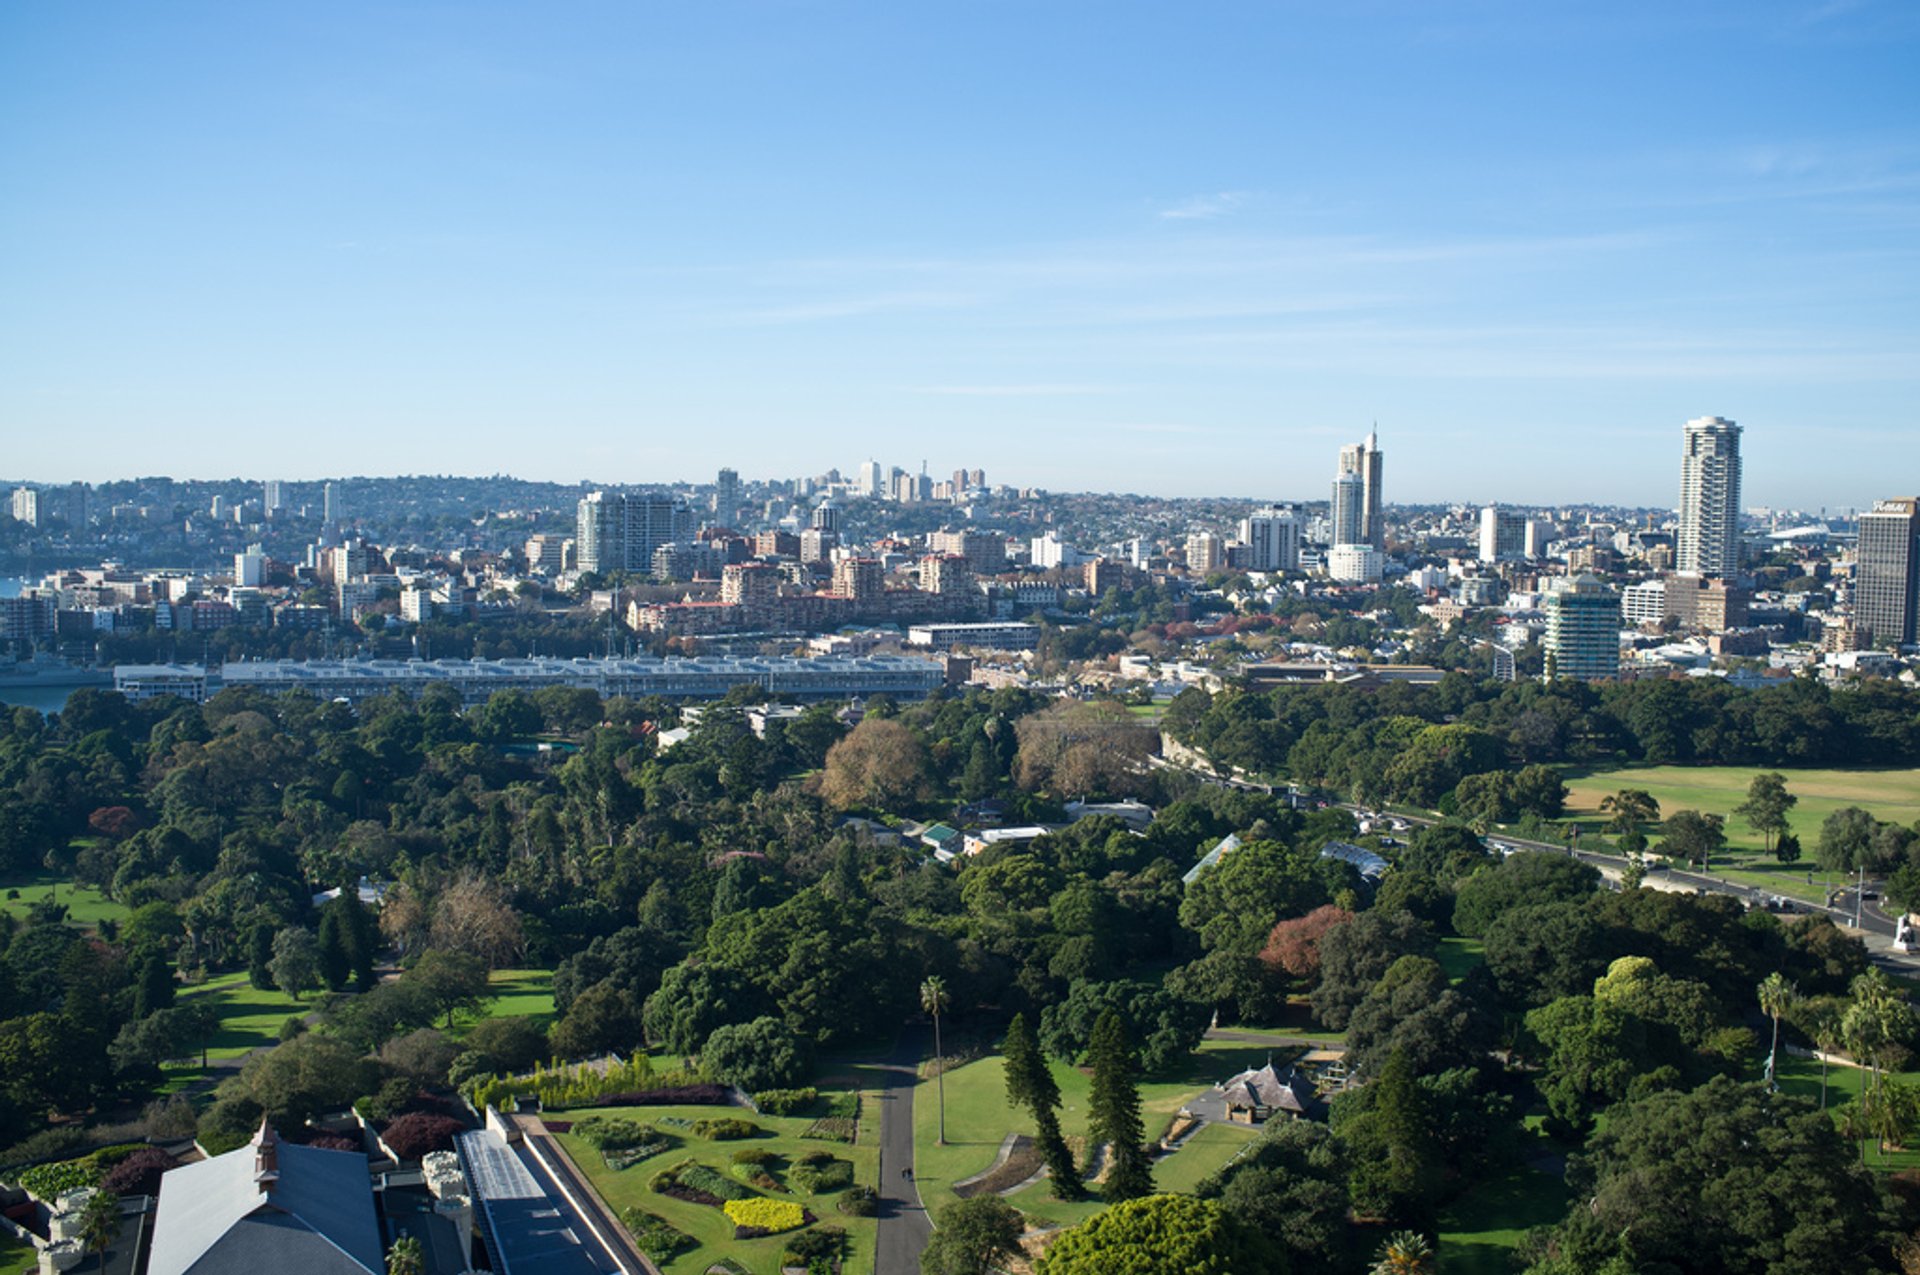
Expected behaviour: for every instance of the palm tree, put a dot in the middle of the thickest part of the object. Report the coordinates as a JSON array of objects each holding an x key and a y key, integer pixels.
[
  {"x": 405, "y": 1257},
  {"x": 934, "y": 1000},
  {"x": 1820, "y": 1019},
  {"x": 1777, "y": 996},
  {"x": 100, "y": 1223},
  {"x": 1404, "y": 1253}
]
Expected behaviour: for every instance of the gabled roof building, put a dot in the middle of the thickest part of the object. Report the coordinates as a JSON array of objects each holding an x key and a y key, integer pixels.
[{"x": 269, "y": 1206}]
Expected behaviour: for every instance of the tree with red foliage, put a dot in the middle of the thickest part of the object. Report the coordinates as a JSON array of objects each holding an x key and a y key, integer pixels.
[
  {"x": 1294, "y": 945},
  {"x": 416, "y": 1133},
  {"x": 139, "y": 1173},
  {"x": 117, "y": 822}
]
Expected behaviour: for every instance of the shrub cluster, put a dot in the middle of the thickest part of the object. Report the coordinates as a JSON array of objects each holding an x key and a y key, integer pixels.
[
  {"x": 574, "y": 1085},
  {"x": 818, "y": 1173},
  {"x": 690, "y": 1179},
  {"x": 859, "y": 1201},
  {"x": 614, "y": 1133},
  {"x": 417, "y": 1133},
  {"x": 785, "y": 1102},
  {"x": 725, "y": 1129},
  {"x": 654, "y": 1235}
]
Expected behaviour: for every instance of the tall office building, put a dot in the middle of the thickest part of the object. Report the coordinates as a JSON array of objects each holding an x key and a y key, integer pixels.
[
  {"x": 872, "y": 480},
  {"x": 329, "y": 505},
  {"x": 726, "y": 498},
  {"x": 1503, "y": 534},
  {"x": 1349, "y": 510},
  {"x": 1583, "y": 630},
  {"x": 26, "y": 506},
  {"x": 77, "y": 512},
  {"x": 1272, "y": 534},
  {"x": 616, "y": 532},
  {"x": 1365, "y": 461},
  {"x": 272, "y": 496},
  {"x": 1709, "y": 540},
  {"x": 1886, "y": 582}
]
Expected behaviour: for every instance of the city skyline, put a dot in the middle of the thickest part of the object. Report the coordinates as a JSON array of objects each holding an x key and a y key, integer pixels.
[{"x": 1192, "y": 257}]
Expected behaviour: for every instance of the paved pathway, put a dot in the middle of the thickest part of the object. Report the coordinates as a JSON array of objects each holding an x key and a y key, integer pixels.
[{"x": 904, "y": 1227}]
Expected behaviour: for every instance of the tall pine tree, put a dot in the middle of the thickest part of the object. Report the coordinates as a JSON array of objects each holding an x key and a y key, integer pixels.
[
  {"x": 335, "y": 962},
  {"x": 1030, "y": 1084},
  {"x": 1113, "y": 1109},
  {"x": 361, "y": 935},
  {"x": 152, "y": 985},
  {"x": 259, "y": 954}
]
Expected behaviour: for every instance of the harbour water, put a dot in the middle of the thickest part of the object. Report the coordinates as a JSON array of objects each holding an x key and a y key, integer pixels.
[{"x": 48, "y": 699}]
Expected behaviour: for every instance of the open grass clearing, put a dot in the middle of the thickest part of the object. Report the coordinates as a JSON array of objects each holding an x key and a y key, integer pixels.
[
  {"x": 979, "y": 1118},
  {"x": 1460, "y": 956},
  {"x": 627, "y": 1188},
  {"x": 1891, "y": 795},
  {"x": 86, "y": 906},
  {"x": 1479, "y": 1230},
  {"x": 249, "y": 1016},
  {"x": 524, "y": 993}
]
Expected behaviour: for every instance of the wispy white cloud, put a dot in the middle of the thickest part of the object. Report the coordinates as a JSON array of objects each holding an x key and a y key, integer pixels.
[{"x": 1204, "y": 207}]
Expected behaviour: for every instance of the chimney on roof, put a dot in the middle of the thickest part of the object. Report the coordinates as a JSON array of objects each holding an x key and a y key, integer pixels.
[{"x": 266, "y": 1157}]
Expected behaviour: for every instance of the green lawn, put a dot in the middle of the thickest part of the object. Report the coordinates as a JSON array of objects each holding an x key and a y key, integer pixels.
[
  {"x": 1892, "y": 795},
  {"x": 979, "y": 1119},
  {"x": 1478, "y": 1231},
  {"x": 516, "y": 993},
  {"x": 249, "y": 1017},
  {"x": 86, "y": 905},
  {"x": 1458, "y": 956},
  {"x": 624, "y": 1188},
  {"x": 17, "y": 1256},
  {"x": 1801, "y": 1078}
]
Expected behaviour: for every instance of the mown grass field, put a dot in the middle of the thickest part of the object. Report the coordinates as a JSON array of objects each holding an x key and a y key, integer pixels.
[
  {"x": 249, "y": 1017},
  {"x": 1891, "y": 795},
  {"x": 627, "y": 1188},
  {"x": 979, "y": 1119},
  {"x": 86, "y": 906},
  {"x": 516, "y": 994}
]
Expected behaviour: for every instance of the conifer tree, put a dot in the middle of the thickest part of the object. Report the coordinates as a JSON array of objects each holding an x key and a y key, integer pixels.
[
  {"x": 1030, "y": 1084},
  {"x": 360, "y": 934},
  {"x": 335, "y": 963},
  {"x": 1114, "y": 1109},
  {"x": 153, "y": 985}
]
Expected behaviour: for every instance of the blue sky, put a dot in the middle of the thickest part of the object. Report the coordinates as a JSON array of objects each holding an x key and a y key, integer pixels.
[{"x": 1182, "y": 249}]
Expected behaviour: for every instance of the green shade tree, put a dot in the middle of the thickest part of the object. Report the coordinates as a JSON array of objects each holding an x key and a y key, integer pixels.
[
  {"x": 1160, "y": 1234},
  {"x": 1693, "y": 837},
  {"x": 1726, "y": 1178},
  {"x": 974, "y": 1237},
  {"x": 1766, "y": 806}
]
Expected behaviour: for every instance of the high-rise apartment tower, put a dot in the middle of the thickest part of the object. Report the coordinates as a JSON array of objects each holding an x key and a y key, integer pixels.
[
  {"x": 1366, "y": 462},
  {"x": 615, "y": 532},
  {"x": 1709, "y": 540}
]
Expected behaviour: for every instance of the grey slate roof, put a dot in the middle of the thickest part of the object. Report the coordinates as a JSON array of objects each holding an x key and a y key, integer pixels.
[
  {"x": 215, "y": 1218},
  {"x": 1267, "y": 1088}
]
